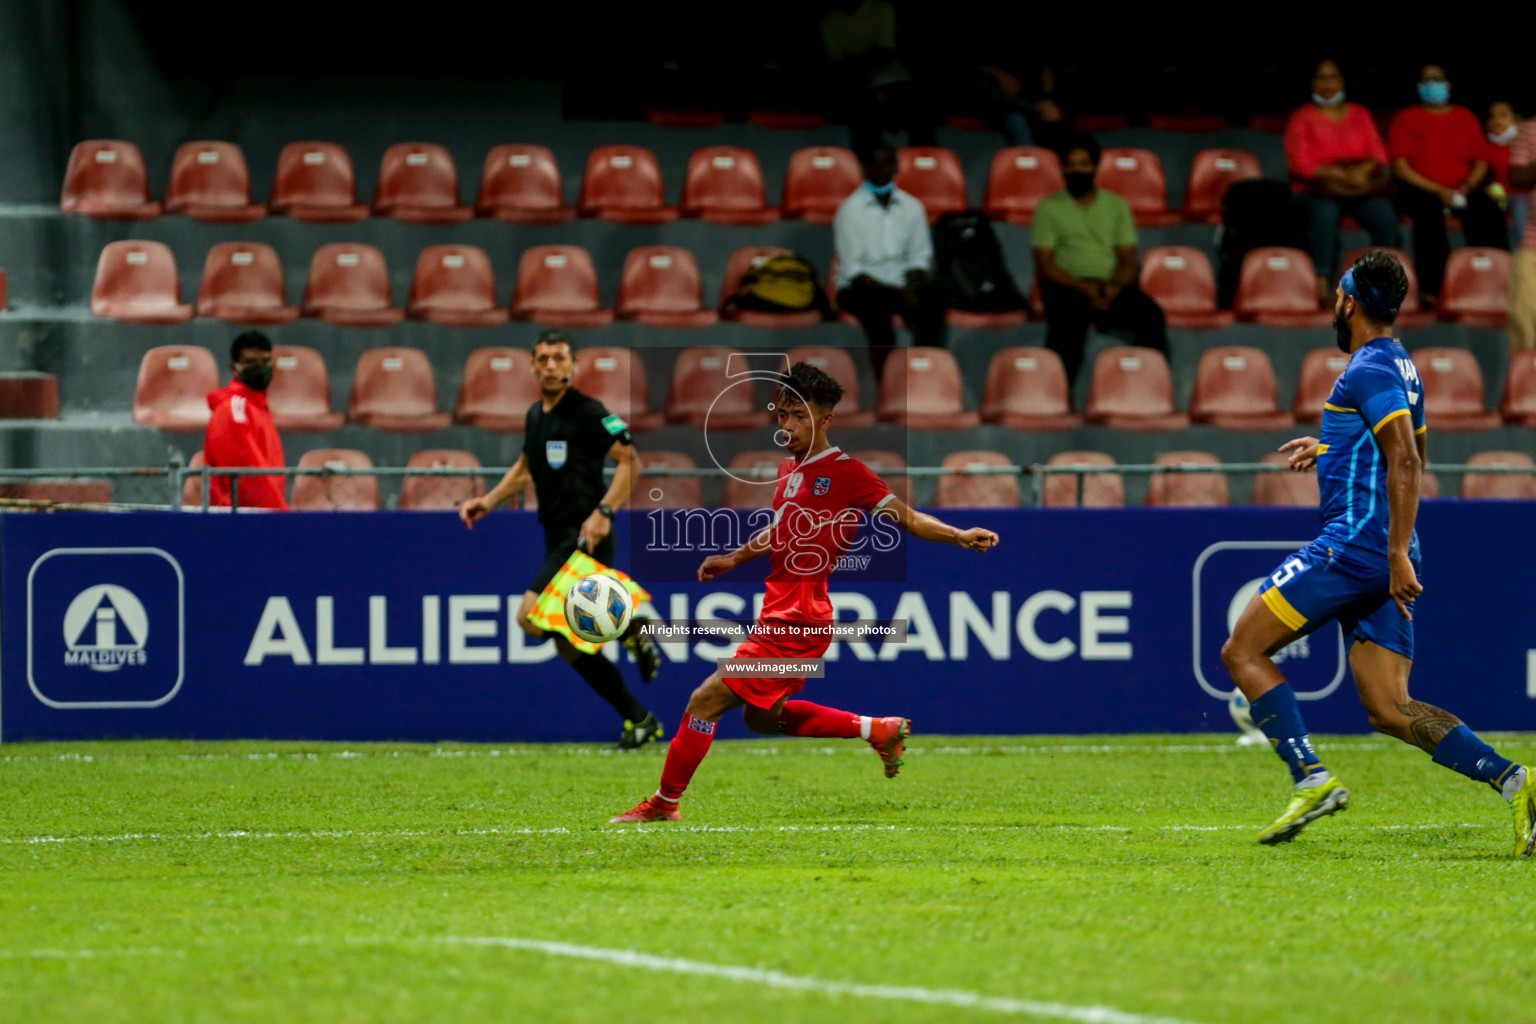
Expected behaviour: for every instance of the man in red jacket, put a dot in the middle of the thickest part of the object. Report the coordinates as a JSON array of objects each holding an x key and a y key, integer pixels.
[{"x": 241, "y": 432}]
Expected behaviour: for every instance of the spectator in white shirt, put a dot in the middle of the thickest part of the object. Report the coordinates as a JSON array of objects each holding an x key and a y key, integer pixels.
[{"x": 885, "y": 260}]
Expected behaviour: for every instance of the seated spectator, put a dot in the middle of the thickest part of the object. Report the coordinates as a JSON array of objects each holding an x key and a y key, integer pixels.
[
  {"x": 879, "y": 95},
  {"x": 1503, "y": 126},
  {"x": 1084, "y": 239},
  {"x": 241, "y": 432},
  {"x": 1440, "y": 157},
  {"x": 1026, "y": 114},
  {"x": 1522, "y": 276},
  {"x": 1338, "y": 165},
  {"x": 885, "y": 260}
]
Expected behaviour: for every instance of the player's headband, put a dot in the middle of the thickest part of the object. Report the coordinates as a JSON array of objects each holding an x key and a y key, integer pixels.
[{"x": 1367, "y": 297}]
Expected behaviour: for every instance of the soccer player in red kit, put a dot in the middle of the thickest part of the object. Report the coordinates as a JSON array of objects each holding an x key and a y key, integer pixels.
[{"x": 818, "y": 503}]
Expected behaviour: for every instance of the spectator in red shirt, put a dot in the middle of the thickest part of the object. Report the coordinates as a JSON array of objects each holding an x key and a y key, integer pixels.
[
  {"x": 1503, "y": 126},
  {"x": 241, "y": 431},
  {"x": 1441, "y": 160},
  {"x": 1339, "y": 166}
]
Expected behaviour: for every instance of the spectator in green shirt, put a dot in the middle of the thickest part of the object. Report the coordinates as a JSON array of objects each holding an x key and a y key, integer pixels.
[{"x": 1085, "y": 260}]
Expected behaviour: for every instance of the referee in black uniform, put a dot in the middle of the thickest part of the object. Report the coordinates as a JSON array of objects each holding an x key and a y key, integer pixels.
[{"x": 567, "y": 441}]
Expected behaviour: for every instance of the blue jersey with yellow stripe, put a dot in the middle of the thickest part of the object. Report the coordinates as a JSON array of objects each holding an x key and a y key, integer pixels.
[{"x": 1379, "y": 385}]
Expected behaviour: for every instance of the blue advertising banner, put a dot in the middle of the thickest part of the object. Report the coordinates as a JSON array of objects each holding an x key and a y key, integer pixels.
[{"x": 402, "y": 625}]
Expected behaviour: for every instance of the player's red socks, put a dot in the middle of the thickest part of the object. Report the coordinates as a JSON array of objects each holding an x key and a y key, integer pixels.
[
  {"x": 802, "y": 718},
  {"x": 689, "y": 745}
]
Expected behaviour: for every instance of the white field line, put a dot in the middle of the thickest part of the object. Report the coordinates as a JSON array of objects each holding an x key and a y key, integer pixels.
[
  {"x": 753, "y": 751},
  {"x": 85, "y": 954},
  {"x": 796, "y": 982},
  {"x": 673, "y": 829}
]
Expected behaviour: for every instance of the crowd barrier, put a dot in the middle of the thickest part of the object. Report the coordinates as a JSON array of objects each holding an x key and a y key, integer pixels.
[{"x": 400, "y": 625}]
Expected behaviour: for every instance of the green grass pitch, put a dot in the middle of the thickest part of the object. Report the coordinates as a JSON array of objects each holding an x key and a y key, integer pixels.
[{"x": 1111, "y": 879}]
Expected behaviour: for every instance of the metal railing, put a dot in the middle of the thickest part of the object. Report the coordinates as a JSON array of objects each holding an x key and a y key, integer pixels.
[{"x": 176, "y": 476}]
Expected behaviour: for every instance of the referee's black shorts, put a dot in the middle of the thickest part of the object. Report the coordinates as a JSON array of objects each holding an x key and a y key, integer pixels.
[{"x": 558, "y": 545}]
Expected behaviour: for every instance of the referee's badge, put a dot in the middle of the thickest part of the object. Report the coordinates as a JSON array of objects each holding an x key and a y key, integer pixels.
[{"x": 554, "y": 454}]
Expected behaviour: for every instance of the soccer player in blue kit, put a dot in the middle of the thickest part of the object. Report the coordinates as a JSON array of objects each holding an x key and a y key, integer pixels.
[{"x": 1363, "y": 570}]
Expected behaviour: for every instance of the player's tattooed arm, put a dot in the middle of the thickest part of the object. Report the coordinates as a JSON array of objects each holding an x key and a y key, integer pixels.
[
  {"x": 926, "y": 527},
  {"x": 755, "y": 547},
  {"x": 1427, "y": 724}
]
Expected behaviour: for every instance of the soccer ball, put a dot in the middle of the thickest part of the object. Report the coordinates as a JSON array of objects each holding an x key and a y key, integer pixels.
[
  {"x": 1242, "y": 716},
  {"x": 598, "y": 608}
]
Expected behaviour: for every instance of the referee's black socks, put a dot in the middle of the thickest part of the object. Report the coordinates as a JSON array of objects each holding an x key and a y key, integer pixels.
[{"x": 604, "y": 678}]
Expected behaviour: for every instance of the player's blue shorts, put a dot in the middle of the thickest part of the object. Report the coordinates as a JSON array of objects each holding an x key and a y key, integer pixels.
[{"x": 1322, "y": 582}]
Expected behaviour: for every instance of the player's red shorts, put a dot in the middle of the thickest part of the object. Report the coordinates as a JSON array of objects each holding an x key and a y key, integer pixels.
[{"x": 766, "y": 692}]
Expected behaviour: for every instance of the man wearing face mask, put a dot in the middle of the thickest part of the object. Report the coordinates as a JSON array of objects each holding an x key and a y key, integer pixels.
[
  {"x": 1440, "y": 156},
  {"x": 885, "y": 260},
  {"x": 1084, "y": 238},
  {"x": 241, "y": 431}
]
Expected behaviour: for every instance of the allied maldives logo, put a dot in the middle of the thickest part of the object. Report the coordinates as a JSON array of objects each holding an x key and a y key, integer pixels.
[{"x": 106, "y": 628}]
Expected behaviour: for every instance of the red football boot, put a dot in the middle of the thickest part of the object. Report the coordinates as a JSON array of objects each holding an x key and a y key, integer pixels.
[
  {"x": 887, "y": 735},
  {"x": 652, "y": 808}
]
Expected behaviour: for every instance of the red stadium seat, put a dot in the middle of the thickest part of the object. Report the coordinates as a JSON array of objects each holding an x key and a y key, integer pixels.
[
  {"x": 616, "y": 377},
  {"x": 394, "y": 390},
  {"x": 315, "y": 182},
  {"x": 1453, "y": 390},
  {"x": 136, "y": 282},
  {"x": 1021, "y": 176},
  {"x": 455, "y": 286},
  {"x": 743, "y": 489},
  {"x": 1519, "y": 405},
  {"x": 209, "y": 181},
  {"x": 837, "y": 363},
  {"x": 497, "y": 389},
  {"x": 243, "y": 284},
  {"x": 1213, "y": 172},
  {"x": 557, "y": 285},
  {"x": 1412, "y": 312},
  {"x": 521, "y": 184},
  {"x": 106, "y": 179},
  {"x": 818, "y": 180},
  {"x": 742, "y": 260},
  {"x": 1098, "y": 490},
  {"x": 1235, "y": 388},
  {"x": 724, "y": 184},
  {"x": 1476, "y": 287},
  {"x": 1137, "y": 175},
  {"x": 172, "y": 393},
  {"x": 703, "y": 393},
  {"x": 349, "y": 285},
  {"x": 1027, "y": 390},
  {"x": 1429, "y": 485},
  {"x": 300, "y": 393},
  {"x": 440, "y": 492},
  {"x": 1499, "y": 485},
  {"x": 29, "y": 395},
  {"x": 1279, "y": 286},
  {"x": 1133, "y": 389},
  {"x": 958, "y": 489},
  {"x": 623, "y": 183},
  {"x": 1188, "y": 490},
  {"x": 666, "y": 491},
  {"x": 70, "y": 492},
  {"x": 1288, "y": 488},
  {"x": 335, "y": 493},
  {"x": 661, "y": 287},
  {"x": 921, "y": 388},
  {"x": 1180, "y": 280},
  {"x": 933, "y": 174},
  {"x": 882, "y": 462},
  {"x": 418, "y": 182},
  {"x": 1320, "y": 370}
]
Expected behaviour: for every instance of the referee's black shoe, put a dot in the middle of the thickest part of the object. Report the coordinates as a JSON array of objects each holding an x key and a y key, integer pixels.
[
  {"x": 638, "y": 734},
  {"x": 647, "y": 654}
]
